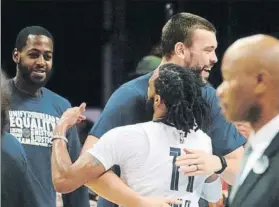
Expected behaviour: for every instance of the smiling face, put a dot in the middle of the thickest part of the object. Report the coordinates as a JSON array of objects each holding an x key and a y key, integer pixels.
[
  {"x": 34, "y": 61},
  {"x": 200, "y": 55}
]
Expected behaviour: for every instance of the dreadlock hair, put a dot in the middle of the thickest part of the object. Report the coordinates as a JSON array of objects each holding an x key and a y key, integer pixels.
[{"x": 180, "y": 90}]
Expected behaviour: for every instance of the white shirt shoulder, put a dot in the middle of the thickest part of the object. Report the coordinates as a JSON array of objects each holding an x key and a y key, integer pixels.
[{"x": 121, "y": 146}]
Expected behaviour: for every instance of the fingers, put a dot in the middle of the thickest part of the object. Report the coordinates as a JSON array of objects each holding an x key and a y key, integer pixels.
[
  {"x": 82, "y": 107},
  {"x": 173, "y": 201},
  {"x": 191, "y": 151},
  {"x": 187, "y": 156},
  {"x": 189, "y": 162},
  {"x": 189, "y": 168},
  {"x": 199, "y": 172},
  {"x": 81, "y": 118}
]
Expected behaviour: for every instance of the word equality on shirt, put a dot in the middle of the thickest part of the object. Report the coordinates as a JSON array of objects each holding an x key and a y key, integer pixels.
[{"x": 32, "y": 128}]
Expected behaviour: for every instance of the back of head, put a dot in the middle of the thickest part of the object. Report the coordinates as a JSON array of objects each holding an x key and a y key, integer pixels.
[
  {"x": 179, "y": 29},
  {"x": 180, "y": 90},
  {"x": 147, "y": 64},
  {"x": 5, "y": 100},
  {"x": 32, "y": 30}
]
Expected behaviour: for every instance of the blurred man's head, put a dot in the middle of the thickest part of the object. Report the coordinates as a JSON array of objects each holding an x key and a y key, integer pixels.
[
  {"x": 33, "y": 55},
  {"x": 5, "y": 101},
  {"x": 148, "y": 63},
  {"x": 176, "y": 95},
  {"x": 250, "y": 87},
  {"x": 190, "y": 41}
]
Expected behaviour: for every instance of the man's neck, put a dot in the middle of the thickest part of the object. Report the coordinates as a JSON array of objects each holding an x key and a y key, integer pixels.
[
  {"x": 24, "y": 87},
  {"x": 166, "y": 60},
  {"x": 266, "y": 117},
  {"x": 158, "y": 114}
]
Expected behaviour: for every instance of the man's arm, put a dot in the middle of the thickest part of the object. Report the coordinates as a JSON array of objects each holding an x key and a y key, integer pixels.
[
  {"x": 197, "y": 162},
  {"x": 89, "y": 143},
  {"x": 112, "y": 188},
  {"x": 109, "y": 185},
  {"x": 233, "y": 160},
  {"x": 226, "y": 141},
  {"x": 68, "y": 176},
  {"x": 79, "y": 197}
]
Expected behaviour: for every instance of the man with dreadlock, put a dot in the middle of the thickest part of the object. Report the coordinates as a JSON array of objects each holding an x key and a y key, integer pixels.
[{"x": 146, "y": 152}]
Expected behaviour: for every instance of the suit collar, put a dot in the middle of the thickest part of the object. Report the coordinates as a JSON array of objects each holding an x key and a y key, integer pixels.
[{"x": 252, "y": 177}]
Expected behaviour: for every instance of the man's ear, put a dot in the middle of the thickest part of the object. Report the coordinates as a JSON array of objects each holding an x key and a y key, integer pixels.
[
  {"x": 179, "y": 49},
  {"x": 157, "y": 100},
  {"x": 16, "y": 56},
  {"x": 262, "y": 81}
]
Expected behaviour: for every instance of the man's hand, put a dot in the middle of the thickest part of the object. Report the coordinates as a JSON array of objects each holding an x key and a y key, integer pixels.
[
  {"x": 244, "y": 128},
  {"x": 72, "y": 116},
  {"x": 196, "y": 162},
  {"x": 157, "y": 202}
]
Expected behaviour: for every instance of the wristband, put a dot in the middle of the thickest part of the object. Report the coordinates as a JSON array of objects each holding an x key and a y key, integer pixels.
[{"x": 223, "y": 163}]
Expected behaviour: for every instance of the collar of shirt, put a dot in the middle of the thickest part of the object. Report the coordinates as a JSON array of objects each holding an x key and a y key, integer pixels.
[{"x": 259, "y": 141}]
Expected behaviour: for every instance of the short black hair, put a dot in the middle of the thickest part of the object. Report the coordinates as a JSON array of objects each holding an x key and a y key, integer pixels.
[
  {"x": 32, "y": 30},
  {"x": 5, "y": 101},
  {"x": 180, "y": 90},
  {"x": 179, "y": 29}
]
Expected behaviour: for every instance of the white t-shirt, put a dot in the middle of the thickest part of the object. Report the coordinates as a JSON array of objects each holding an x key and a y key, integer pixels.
[{"x": 146, "y": 155}]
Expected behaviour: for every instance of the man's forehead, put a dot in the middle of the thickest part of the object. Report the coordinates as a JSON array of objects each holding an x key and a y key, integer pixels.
[
  {"x": 205, "y": 37},
  {"x": 39, "y": 41}
]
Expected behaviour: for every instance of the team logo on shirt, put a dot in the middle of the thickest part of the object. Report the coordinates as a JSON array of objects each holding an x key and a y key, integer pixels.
[{"x": 32, "y": 128}]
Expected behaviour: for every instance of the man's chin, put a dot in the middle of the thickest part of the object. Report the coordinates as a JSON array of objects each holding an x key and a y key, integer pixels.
[{"x": 38, "y": 83}]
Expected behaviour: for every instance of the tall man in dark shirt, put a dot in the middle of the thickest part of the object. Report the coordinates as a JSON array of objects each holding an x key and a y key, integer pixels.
[
  {"x": 187, "y": 40},
  {"x": 35, "y": 111}
]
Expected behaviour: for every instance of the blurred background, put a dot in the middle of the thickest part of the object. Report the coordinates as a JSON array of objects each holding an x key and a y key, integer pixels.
[{"x": 98, "y": 44}]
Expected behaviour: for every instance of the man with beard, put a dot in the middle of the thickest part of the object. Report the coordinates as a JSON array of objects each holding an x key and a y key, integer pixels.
[
  {"x": 35, "y": 111},
  {"x": 180, "y": 114},
  {"x": 187, "y": 40},
  {"x": 249, "y": 93}
]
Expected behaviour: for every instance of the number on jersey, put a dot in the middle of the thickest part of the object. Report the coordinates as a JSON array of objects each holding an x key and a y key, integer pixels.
[{"x": 174, "y": 152}]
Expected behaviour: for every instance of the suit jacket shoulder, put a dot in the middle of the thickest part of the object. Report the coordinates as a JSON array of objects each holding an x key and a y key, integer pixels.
[{"x": 261, "y": 187}]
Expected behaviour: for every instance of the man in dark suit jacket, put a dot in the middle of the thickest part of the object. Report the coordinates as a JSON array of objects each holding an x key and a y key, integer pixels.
[{"x": 250, "y": 92}]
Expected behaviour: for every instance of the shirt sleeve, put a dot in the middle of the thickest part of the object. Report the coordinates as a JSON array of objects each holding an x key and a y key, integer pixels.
[
  {"x": 120, "y": 146},
  {"x": 212, "y": 192},
  {"x": 224, "y": 135},
  {"x": 122, "y": 108}
]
